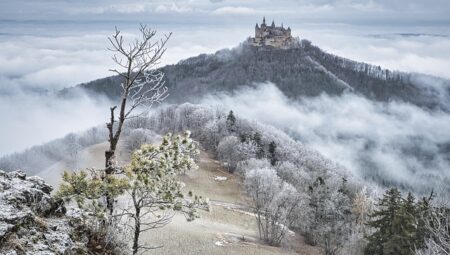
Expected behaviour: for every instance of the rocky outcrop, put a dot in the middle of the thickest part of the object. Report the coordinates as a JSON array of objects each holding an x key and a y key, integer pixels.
[{"x": 31, "y": 220}]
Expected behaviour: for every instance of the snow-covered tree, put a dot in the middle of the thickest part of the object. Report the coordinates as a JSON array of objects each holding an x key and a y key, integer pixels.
[
  {"x": 227, "y": 151},
  {"x": 437, "y": 227},
  {"x": 137, "y": 137},
  {"x": 274, "y": 203},
  {"x": 73, "y": 148}
]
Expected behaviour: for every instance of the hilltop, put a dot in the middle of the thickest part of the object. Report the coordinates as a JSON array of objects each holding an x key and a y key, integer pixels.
[{"x": 298, "y": 71}]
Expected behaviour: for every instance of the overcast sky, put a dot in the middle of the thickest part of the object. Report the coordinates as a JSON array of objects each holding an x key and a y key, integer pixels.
[
  {"x": 52, "y": 44},
  {"x": 371, "y": 11}
]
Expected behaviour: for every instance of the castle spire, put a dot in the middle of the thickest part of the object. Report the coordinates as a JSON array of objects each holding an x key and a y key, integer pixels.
[
  {"x": 264, "y": 20},
  {"x": 273, "y": 23}
]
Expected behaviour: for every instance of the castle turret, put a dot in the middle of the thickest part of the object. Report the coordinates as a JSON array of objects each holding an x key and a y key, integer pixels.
[
  {"x": 257, "y": 31},
  {"x": 264, "y": 21},
  {"x": 273, "y": 23}
]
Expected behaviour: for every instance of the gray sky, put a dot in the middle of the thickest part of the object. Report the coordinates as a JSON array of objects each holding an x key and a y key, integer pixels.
[{"x": 351, "y": 11}]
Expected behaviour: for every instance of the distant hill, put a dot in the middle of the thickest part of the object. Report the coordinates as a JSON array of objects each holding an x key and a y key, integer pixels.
[{"x": 303, "y": 70}]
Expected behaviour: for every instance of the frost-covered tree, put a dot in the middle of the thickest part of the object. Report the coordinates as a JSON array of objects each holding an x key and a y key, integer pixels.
[
  {"x": 362, "y": 207},
  {"x": 436, "y": 226},
  {"x": 142, "y": 85},
  {"x": 73, "y": 148},
  {"x": 274, "y": 203},
  {"x": 227, "y": 151},
  {"x": 328, "y": 216},
  {"x": 137, "y": 137}
]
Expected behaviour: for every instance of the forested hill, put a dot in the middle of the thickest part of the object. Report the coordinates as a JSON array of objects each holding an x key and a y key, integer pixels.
[{"x": 304, "y": 70}]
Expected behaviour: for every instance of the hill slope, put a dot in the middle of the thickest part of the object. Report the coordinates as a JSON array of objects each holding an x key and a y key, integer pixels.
[{"x": 304, "y": 70}]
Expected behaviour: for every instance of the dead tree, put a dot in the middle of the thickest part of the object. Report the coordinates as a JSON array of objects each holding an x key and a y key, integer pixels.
[{"x": 142, "y": 86}]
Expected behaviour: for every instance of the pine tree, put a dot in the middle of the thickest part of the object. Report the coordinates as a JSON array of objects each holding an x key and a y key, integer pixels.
[
  {"x": 231, "y": 122},
  {"x": 404, "y": 227},
  {"x": 260, "y": 147},
  {"x": 423, "y": 209},
  {"x": 272, "y": 157},
  {"x": 383, "y": 221}
]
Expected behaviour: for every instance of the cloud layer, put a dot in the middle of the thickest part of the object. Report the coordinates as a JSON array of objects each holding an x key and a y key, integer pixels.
[
  {"x": 30, "y": 119},
  {"x": 389, "y": 143}
]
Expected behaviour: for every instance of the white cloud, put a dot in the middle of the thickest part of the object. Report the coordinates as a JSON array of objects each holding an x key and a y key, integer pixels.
[
  {"x": 173, "y": 7},
  {"x": 408, "y": 50},
  {"x": 239, "y": 10},
  {"x": 53, "y": 62},
  {"x": 34, "y": 119}
]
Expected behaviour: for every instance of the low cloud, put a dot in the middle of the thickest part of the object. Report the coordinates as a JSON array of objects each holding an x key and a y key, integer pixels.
[
  {"x": 52, "y": 62},
  {"x": 388, "y": 143},
  {"x": 32, "y": 119},
  {"x": 413, "y": 50}
]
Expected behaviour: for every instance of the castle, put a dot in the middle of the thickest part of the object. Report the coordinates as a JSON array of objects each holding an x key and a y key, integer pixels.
[{"x": 272, "y": 35}]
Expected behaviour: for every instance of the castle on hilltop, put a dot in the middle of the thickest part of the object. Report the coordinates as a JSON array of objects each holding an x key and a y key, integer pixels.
[{"x": 272, "y": 35}]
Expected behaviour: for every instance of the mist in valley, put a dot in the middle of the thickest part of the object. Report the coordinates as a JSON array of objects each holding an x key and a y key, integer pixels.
[{"x": 385, "y": 143}]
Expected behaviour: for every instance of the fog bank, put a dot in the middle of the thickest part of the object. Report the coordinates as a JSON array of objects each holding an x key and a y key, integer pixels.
[
  {"x": 389, "y": 143},
  {"x": 30, "y": 118}
]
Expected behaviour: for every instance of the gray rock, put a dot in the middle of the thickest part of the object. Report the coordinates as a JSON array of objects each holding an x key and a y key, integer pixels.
[{"x": 31, "y": 219}]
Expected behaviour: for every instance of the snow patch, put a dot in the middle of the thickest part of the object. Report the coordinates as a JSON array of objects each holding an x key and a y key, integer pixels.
[
  {"x": 219, "y": 243},
  {"x": 220, "y": 178}
]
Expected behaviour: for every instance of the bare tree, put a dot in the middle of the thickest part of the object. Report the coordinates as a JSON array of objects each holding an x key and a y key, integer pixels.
[
  {"x": 274, "y": 203},
  {"x": 437, "y": 224},
  {"x": 142, "y": 85},
  {"x": 73, "y": 148}
]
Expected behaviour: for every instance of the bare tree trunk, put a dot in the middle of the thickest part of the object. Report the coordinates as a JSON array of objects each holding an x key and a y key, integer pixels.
[
  {"x": 137, "y": 230},
  {"x": 141, "y": 86},
  {"x": 109, "y": 158}
]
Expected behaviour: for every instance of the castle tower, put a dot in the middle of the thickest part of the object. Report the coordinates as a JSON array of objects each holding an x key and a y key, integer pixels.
[{"x": 257, "y": 31}]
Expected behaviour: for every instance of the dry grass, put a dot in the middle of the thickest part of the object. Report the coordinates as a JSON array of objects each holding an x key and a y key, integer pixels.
[
  {"x": 201, "y": 182},
  {"x": 221, "y": 231}
]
